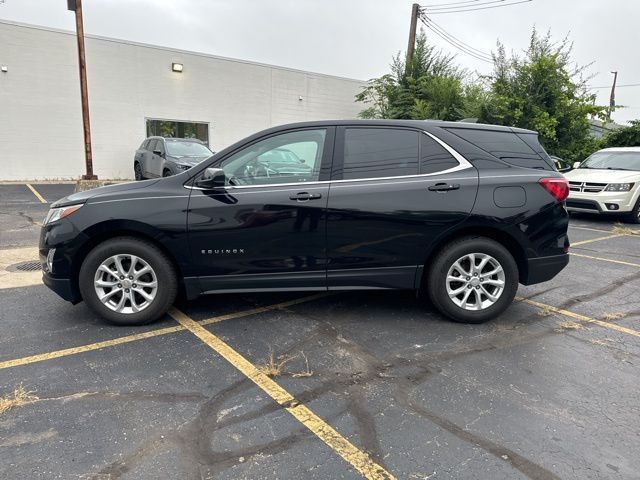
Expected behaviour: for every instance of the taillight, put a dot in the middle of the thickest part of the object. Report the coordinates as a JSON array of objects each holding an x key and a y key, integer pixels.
[{"x": 557, "y": 187}]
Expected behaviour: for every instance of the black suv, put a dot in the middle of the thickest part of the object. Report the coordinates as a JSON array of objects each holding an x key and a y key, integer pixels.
[
  {"x": 463, "y": 212},
  {"x": 163, "y": 157}
]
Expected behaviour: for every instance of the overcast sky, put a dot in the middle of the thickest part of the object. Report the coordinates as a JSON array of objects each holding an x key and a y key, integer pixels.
[{"x": 357, "y": 38}]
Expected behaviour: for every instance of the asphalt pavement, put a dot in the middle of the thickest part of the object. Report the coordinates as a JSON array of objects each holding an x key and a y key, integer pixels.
[{"x": 360, "y": 384}]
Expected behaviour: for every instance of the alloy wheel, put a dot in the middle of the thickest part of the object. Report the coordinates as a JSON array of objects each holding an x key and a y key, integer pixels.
[
  {"x": 125, "y": 283},
  {"x": 475, "y": 281}
]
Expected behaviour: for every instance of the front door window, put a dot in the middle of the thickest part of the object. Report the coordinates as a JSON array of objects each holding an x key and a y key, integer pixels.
[{"x": 292, "y": 157}]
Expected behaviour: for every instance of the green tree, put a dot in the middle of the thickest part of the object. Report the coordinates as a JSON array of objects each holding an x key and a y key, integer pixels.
[
  {"x": 624, "y": 137},
  {"x": 546, "y": 92},
  {"x": 432, "y": 86}
]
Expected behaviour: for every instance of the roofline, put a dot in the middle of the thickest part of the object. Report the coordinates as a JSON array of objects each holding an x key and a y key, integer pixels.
[
  {"x": 175, "y": 50},
  {"x": 620, "y": 149},
  {"x": 405, "y": 122}
]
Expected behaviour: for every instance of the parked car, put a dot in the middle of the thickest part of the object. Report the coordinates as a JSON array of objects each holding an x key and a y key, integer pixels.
[
  {"x": 163, "y": 157},
  {"x": 461, "y": 212},
  {"x": 607, "y": 183}
]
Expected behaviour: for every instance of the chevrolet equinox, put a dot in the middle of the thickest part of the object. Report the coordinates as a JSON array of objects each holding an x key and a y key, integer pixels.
[{"x": 461, "y": 212}]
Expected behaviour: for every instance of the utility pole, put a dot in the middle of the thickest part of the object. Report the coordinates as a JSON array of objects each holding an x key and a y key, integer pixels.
[
  {"x": 612, "y": 98},
  {"x": 76, "y": 6},
  {"x": 415, "y": 12}
]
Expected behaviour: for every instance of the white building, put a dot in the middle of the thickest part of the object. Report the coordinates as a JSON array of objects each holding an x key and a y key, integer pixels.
[{"x": 133, "y": 92}]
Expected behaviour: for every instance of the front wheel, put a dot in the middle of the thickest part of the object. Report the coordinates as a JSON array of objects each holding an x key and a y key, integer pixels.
[
  {"x": 137, "y": 171},
  {"x": 634, "y": 216},
  {"x": 128, "y": 281},
  {"x": 472, "y": 280}
]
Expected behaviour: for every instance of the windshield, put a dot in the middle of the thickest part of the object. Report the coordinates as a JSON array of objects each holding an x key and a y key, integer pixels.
[
  {"x": 613, "y": 161},
  {"x": 187, "y": 149}
]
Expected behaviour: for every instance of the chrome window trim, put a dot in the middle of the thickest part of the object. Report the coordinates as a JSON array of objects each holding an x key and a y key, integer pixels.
[{"x": 463, "y": 164}]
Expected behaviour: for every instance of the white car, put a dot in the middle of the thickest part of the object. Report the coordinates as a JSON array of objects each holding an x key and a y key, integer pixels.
[{"x": 608, "y": 182}]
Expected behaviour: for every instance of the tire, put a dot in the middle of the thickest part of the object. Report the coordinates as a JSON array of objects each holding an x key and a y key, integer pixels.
[
  {"x": 137, "y": 171},
  {"x": 634, "y": 216},
  {"x": 94, "y": 282},
  {"x": 166, "y": 173},
  {"x": 460, "y": 250}
]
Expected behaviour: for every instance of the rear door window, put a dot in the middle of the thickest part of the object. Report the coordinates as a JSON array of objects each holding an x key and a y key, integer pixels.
[
  {"x": 505, "y": 145},
  {"x": 379, "y": 152}
]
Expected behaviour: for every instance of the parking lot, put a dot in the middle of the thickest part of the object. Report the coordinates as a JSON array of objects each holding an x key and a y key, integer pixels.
[{"x": 346, "y": 385}]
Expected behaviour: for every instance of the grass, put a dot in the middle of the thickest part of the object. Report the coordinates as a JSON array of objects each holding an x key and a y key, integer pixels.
[
  {"x": 546, "y": 311},
  {"x": 610, "y": 317},
  {"x": 306, "y": 372},
  {"x": 569, "y": 325},
  {"x": 275, "y": 366},
  {"x": 20, "y": 396},
  {"x": 620, "y": 229}
]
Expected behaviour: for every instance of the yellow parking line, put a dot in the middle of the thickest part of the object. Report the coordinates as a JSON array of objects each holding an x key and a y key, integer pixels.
[
  {"x": 575, "y": 244},
  {"x": 589, "y": 228},
  {"x": 606, "y": 259},
  {"x": 36, "y": 193},
  {"x": 153, "y": 333},
  {"x": 582, "y": 318},
  {"x": 358, "y": 459},
  {"x": 87, "y": 348}
]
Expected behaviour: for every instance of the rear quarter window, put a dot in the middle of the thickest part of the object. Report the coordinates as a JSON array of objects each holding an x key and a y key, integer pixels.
[{"x": 521, "y": 150}]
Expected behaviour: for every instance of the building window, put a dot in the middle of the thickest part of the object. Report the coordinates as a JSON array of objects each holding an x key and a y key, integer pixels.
[{"x": 178, "y": 129}]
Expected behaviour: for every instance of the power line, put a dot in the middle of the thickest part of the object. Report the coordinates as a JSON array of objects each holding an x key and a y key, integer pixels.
[
  {"x": 478, "y": 7},
  {"x": 618, "y": 86},
  {"x": 433, "y": 9},
  {"x": 462, "y": 49},
  {"x": 454, "y": 41},
  {"x": 452, "y": 3}
]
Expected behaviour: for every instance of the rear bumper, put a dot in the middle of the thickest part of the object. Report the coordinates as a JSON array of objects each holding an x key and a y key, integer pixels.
[
  {"x": 63, "y": 287},
  {"x": 542, "y": 269}
]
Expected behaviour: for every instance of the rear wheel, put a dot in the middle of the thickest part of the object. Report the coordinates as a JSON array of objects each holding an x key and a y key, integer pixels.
[
  {"x": 472, "y": 280},
  {"x": 128, "y": 281}
]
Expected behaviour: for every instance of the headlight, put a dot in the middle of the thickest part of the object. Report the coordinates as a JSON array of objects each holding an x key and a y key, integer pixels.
[
  {"x": 182, "y": 166},
  {"x": 60, "y": 213},
  {"x": 619, "y": 187}
]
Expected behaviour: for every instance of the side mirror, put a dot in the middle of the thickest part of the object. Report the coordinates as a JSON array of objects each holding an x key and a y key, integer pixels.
[
  {"x": 158, "y": 152},
  {"x": 211, "y": 179},
  {"x": 576, "y": 164}
]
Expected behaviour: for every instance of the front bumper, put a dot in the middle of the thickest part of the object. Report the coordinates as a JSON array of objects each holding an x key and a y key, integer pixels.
[
  {"x": 542, "y": 269},
  {"x": 601, "y": 202},
  {"x": 63, "y": 287}
]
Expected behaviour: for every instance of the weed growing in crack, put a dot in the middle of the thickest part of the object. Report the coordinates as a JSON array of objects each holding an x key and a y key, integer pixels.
[{"x": 20, "y": 396}]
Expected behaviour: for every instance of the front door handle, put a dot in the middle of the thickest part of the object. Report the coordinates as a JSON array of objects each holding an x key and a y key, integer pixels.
[
  {"x": 305, "y": 196},
  {"x": 443, "y": 187}
]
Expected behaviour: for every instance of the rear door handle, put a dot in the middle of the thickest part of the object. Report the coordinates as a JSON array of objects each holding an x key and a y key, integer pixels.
[
  {"x": 443, "y": 187},
  {"x": 305, "y": 196}
]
